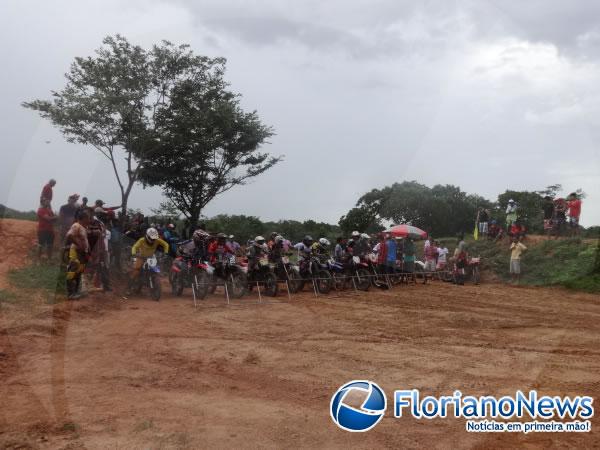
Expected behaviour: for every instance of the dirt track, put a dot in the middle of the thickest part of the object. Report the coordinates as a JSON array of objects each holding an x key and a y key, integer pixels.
[{"x": 111, "y": 373}]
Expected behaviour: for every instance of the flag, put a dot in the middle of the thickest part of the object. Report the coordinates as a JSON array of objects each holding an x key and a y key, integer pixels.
[{"x": 476, "y": 232}]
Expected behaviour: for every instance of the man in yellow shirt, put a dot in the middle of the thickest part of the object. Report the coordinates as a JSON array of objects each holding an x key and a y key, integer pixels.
[
  {"x": 516, "y": 249},
  {"x": 144, "y": 248}
]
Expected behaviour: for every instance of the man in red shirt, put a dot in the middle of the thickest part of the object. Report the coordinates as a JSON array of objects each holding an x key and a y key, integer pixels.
[
  {"x": 46, "y": 219},
  {"x": 47, "y": 192},
  {"x": 574, "y": 204}
]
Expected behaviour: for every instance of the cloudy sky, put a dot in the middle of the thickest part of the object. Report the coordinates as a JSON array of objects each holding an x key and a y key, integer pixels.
[{"x": 487, "y": 95}]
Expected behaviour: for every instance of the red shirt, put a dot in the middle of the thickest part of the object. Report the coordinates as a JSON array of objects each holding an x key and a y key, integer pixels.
[
  {"x": 574, "y": 208},
  {"x": 47, "y": 192},
  {"x": 45, "y": 222}
]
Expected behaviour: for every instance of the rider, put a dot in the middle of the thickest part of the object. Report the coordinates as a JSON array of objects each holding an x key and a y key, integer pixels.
[
  {"x": 320, "y": 249},
  {"x": 257, "y": 250},
  {"x": 361, "y": 246},
  {"x": 144, "y": 248},
  {"x": 277, "y": 250},
  {"x": 195, "y": 248},
  {"x": 304, "y": 247},
  {"x": 219, "y": 249}
]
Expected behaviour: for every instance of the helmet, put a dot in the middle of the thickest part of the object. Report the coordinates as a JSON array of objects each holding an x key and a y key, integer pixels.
[
  {"x": 199, "y": 235},
  {"x": 324, "y": 242},
  {"x": 307, "y": 238},
  {"x": 274, "y": 234},
  {"x": 355, "y": 234},
  {"x": 259, "y": 240},
  {"x": 511, "y": 201},
  {"x": 151, "y": 234},
  {"x": 278, "y": 238},
  {"x": 170, "y": 226},
  {"x": 221, "y": 236}
]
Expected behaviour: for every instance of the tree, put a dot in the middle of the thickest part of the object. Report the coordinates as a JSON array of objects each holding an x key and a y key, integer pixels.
[
  {"x": 362, "y": 219},
  {"x": 441, "y": 210},
  {"x": 207, "y": 145},
  {"x": 111, "y": 101}
]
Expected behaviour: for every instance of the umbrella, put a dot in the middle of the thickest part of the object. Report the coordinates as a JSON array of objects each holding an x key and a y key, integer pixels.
[{"x": 406, "y": 231}]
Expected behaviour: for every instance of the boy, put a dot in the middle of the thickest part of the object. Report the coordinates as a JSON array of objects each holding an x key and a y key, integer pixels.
[{"x": 516, "y": 249}]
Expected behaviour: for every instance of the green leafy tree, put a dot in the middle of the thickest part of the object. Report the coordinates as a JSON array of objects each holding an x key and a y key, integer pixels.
[
  {"x": 111, "y": 101},
  {"x": 362, "y": 219},
  {"x": 207, "y": 144}
]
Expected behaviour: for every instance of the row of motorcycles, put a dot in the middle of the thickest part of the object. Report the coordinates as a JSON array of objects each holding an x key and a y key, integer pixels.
[{"x": 323, "y": 275}]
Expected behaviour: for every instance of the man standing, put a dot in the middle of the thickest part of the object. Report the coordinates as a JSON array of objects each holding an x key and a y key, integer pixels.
[
  {"x": 511, "y": 214},
  {"x": 516, "y": 249},
  {"x": 548, "y": 208},
  {"x": 47, "y": 192},
  {"x": 574, "y": 204},
  {"x": 483, "y": 217},
  {"x": 46, "y": 219},
  {"x": 66, "y": 215},
  {"x": 392, "y": 254},
  {"x": 79, "y": 250}
]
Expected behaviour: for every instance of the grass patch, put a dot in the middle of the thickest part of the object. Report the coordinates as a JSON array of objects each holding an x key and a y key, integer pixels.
[
  {"x": 7, "y": 296},
  {"x": 562, "y": 262},
  {"x": 38, "y": 276}
]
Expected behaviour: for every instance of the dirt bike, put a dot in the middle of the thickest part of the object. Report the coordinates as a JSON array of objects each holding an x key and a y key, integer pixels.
[
  {"x": 232, "y": 274},
  {"x": 188, "y": 272},
  {"x": 149, "y": 277},
  {"x": 264, "y": 275},
  {"x": 314, "y": 270},
  {"x": 286, "y": 271}
]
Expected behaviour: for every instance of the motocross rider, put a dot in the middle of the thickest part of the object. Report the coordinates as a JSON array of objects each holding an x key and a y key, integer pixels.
[
  {"x": 195, "y": 248},
  {"x": 304, "y": 247},
  {"x": 257, "y": 250},
  {"x": 320, "y": 249},
  {"x": 219, "y": 250},
  {"x": 144, "y": 248}
]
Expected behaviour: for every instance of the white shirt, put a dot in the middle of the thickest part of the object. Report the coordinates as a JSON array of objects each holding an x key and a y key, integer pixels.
[{"x": 442, "y": 252}]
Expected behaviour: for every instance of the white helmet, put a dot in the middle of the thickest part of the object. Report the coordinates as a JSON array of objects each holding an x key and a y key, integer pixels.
[
  {"x": 259, "y": 239},
  {"x": 278, "y": 238},
  {"x": 199, "y": 234},
  {"x": 355, "y": 234},
  {"x": 324, "y": 242},
  {"x": 151, "y": 234}
]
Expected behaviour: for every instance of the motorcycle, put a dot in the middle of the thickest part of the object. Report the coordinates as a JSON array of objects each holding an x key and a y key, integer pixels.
[
  {"x": 186, "y": 273},
  {"x": 286, "y": 271},
  {"x": 264, "y": 275},
  {"x": 232, "y": 274},
  {"x": 149, "y": 277},
  {"x": 313, "y": 269}
]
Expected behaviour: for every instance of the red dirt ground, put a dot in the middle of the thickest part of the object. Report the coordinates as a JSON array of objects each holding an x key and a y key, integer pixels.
[{"x": 106, "y": 372}]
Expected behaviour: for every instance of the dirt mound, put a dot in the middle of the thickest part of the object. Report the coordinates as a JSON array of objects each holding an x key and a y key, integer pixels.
[{"x": 18, "y": 237}]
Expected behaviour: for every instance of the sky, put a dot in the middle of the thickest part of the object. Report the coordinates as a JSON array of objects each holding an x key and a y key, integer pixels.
[{"x": 486, "y": 95}]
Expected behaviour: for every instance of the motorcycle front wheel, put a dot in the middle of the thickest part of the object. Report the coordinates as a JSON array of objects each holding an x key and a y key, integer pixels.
[
  {"x": 237, "y": 285},
  {"x": 155, "y": 289},
  {"x": 324, "y": 282}
]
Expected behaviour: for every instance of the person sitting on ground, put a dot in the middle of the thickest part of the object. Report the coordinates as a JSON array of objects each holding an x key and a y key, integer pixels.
[
  {"x": 46, "y": 221},
  {"x": 47, "y": 192},
  {"x": 574, "y": 205},
  {"x": 516, "y": 250},
  {"x": 79, "y": 250},
  {"x": 144, "y": 248}
]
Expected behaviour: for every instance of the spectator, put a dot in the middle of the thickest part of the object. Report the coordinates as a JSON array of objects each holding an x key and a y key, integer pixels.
[
  {"x": 442, "y": 257},
  {"x": 46, "y": 220},
  {"x": 66, "y": 215},
  {"x": 409, "y": 255},
  {"x": 548, "y": 208},
  {"x": 516, "y": 249},
  {"x": 574, "y": 204},
  {"x": 560, "y": 216},
  {"x": 511, "y": 214},
  {"x": 483, "y": 217},
  {"x": 78, "y": 254},
  {"x": 431, "y": 255},
  {"x": 339, "y": 252},
  {"x": 47, "y": 192},
  {"x": 381, "y": 250},
  {"x": 392, "y": 254},
  {"x": 81, "y": 208}
]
